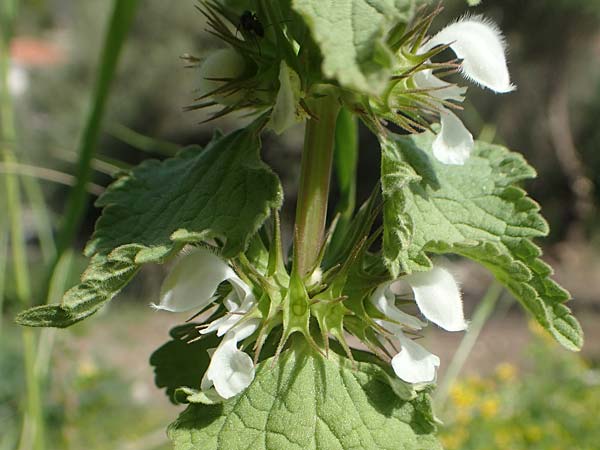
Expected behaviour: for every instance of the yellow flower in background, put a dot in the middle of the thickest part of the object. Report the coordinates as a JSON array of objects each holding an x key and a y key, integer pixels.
[
  {"x": 503, "y": 438},
  {"x": 463, "y": 396},
  {"x": 455, "y": 440},
  {"x": 506, "y": 372},
  {"x": 489, "y": 407},
  {"x": 87, "y": 368},
  {"x": 534, "y": 433},
  {"x": 463, "y": 416},
  {"x": 477, "y": 383}
]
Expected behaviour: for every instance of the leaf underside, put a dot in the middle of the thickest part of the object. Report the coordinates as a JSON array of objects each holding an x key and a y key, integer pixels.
[
  {"x": 478, "y": 211},
  {"x": 223, "y": 191},
  {"x": 305, "y": 401}
]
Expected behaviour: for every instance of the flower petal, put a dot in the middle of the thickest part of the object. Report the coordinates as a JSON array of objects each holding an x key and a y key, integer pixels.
[
  {"x": 193, "y": 280},
  {"x": 383, "y": 299},
  {"x": 414, "y": 364},
  {"x": 481, "y": 46},
  {"x": 426, "y": 80},
  {"x": 284, "y": 111},
  {"x": 231, "y": 370},
  {"x": 238, "y": 303},
  {"x": 228, "y": 321},
  {"x": 242, "y": 290},
  {"x": 454, "y": 142},
  {"x": 438, "y": 296}
]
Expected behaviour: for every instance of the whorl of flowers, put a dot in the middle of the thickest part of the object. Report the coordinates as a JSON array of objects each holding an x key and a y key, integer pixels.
[{"x": 250, "y": 305}]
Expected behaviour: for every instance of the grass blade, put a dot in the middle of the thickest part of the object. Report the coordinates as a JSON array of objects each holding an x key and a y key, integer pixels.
[{"x": 123, "y": 12}]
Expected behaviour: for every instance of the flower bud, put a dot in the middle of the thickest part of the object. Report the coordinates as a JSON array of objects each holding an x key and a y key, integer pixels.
[
  {"x": 285, "y": 112},
  {"x": 221, "y": 67}
]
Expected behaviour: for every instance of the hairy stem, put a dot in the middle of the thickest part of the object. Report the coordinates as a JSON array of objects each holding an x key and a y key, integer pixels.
[{"x": 315, "y": 174}]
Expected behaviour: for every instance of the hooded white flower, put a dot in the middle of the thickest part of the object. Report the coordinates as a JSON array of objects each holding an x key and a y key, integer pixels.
[
  {"x": 481, "y": 47},
  {"x": 231, "y": 370},
  {"x": 192, "y": 284},
  {"x": 439, "y": 299},
  {"x": 193, "y": 280},
  {"x": 238, "y": 303},
  {"x": 414, "y": 364}
]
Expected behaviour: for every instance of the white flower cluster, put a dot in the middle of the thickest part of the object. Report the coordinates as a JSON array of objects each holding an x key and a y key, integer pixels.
[
  {"x": 481, "y": 47},
  {"x": 438, "y": 297},
  {"x": 192, "y": 284},
  {"x": 195, "y": 278}
]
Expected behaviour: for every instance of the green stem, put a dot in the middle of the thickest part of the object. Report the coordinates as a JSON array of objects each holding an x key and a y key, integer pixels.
[
  {"x": 315, "y": 175},
  {"x": 3, "y": 265},
  {"x": 43, "y": 222},
  {"x": 142, "y": 142},
  {"x": 346, "y": 161},
  {"x": 480, "y": 317},
  {"x": 11, "y": 182},
  {"x": 33, "y": 430},
  {"x": 32, "y": 435}
]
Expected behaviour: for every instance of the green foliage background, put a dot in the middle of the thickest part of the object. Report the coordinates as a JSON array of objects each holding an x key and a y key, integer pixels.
[{"x": 551, "y": 406}]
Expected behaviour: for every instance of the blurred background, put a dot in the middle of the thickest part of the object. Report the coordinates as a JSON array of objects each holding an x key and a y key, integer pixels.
[{"x": 511, "y": 388}]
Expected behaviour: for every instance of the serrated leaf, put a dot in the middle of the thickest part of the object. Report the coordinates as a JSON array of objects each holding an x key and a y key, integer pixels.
[
  {"x": 223, "y": 191},
  {"x": 476, "y": 210},
  {"x": 103, "y": 279},
  {"x": 350, "y": 35},
  {"x": 305, "y": 401}
]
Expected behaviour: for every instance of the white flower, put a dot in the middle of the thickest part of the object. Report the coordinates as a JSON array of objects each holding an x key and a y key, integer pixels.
[
  {"x": 192, "y": 284},
  {"x": 193, "y": 280},
  {"x": 383, "y": 299},
  {"x": 238, "y": 303},
  {"x": 439, "y": 299},
  {"x": 414, "y": 364},
  {"x": 231, "y": 370},
  {"x": 481, "y": 47}
]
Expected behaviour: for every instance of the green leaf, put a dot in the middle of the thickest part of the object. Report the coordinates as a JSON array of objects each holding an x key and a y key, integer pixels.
[
  {"x": 350, "y": 35},
  {"x": 181, "y": 362},
  {"x": 475, "y": 210},
  {"x": 304, "y": 401},
  {"x": 224, "y": 191},
  {"x": 103, "y": 279}
]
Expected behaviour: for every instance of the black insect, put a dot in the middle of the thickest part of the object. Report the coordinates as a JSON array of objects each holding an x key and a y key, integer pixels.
[{"x": 251, "y": 24}]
